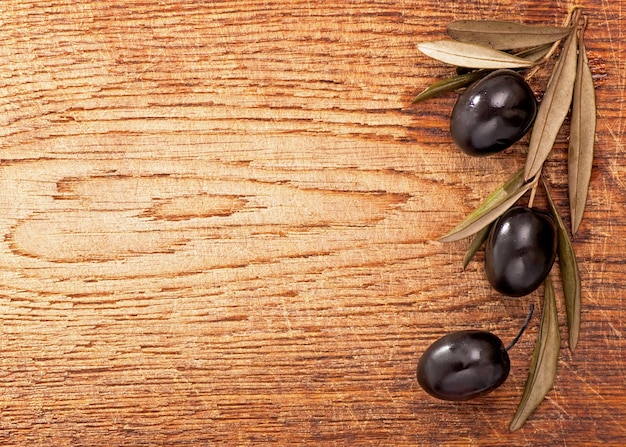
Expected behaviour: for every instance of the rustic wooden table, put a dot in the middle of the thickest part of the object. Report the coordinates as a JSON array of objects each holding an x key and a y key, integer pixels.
[{"x": 220, "y": 226}]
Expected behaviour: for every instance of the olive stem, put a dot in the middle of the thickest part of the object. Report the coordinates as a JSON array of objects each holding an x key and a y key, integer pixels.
[
  {"x": 583, "y": 26},
  {"x": 522, "y": 329},
  {"x": 543, "y": 60},
  {"x": 573, "y": 18},
  {"x": 533, "y": 191}
]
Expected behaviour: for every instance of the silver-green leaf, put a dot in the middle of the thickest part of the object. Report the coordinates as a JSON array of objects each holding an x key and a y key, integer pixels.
[
  {"x": 570, "y": 276},
  {"x": 490, "y": 209},
  {"x": 582, "y": 138},
  {"x": 553, "y": 108},
  {"x": 503, "y": 35},
  {"x": 471, "y": 55},
  {"x": 477, "y": 242},
  {"x": 449, "y": 84},
  {"x": 543, "y": 366}
]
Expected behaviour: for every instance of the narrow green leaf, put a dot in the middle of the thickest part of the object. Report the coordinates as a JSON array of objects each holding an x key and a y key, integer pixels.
[
  {"x": 503, "y": 35},
  {"x": 543, "y": 365},
  {"x": 449, "y": 84},
  {"x": 582, "y": 138},
  {"x": 475, "y": 245},
  {"x": 570, "y": 275},
  {"x": 553, "y": 108},
  {"x": 493, "y": 207},
  {"x": 471, "y": 55}
]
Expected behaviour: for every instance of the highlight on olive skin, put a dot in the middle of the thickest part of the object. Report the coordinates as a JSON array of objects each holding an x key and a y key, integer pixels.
[
  {"x": 520, "y": 251},
  {"x": 493, "y": 113}
]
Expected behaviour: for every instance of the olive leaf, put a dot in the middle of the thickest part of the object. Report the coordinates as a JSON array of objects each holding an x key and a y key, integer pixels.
[
  {"x": 503, "y": 35},
  {"x": 471, "y": 55},
  {"x": 582, "y": 137},
  {"x": 475, "y": 245},
  {"x": 449, "y": 85},
  {"x": 490, "y": 209},
  {"x": 570, "y": 275},
  {"x": 553, "y": 108},
  {"x": 543, "y": 365}
]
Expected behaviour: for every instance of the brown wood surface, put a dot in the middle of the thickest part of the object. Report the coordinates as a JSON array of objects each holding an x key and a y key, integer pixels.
[{"x": 219, "y": 225}]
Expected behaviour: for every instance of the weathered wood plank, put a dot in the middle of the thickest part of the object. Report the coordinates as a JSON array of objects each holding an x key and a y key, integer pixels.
[{"x": 219, "y": 227}]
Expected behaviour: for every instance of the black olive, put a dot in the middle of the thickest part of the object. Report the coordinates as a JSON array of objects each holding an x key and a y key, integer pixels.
[
  {"x": 463, "y": 365},
  {"x": 493, "y": 113},
  {"x": 520, "y": 250}
]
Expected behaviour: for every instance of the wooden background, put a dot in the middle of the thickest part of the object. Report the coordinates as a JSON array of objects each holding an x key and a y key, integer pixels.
[{"x": 219, "y": 226}]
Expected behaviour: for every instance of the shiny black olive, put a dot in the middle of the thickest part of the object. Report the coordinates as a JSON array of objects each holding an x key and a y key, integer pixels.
[
  {"x": 520, "y": 250},
  {"x": 463, "y": 365},
  {"x": 493, "y": 113}
]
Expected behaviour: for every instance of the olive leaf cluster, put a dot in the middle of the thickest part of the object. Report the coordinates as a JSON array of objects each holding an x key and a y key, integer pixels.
[{"x": 476, "y": 48}]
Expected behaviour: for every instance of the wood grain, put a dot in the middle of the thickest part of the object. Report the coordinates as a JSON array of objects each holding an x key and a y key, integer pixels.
[{"x": 220, "y": 224}]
